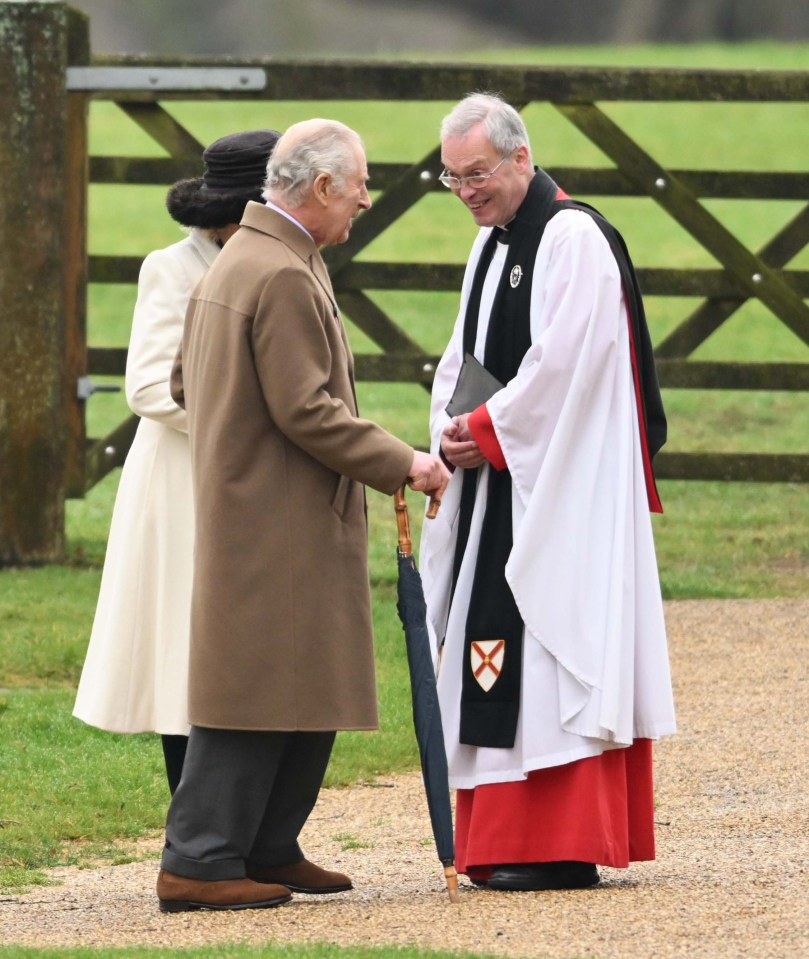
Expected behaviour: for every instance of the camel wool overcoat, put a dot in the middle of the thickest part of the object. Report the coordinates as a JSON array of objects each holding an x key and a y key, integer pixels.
[{"x": 281, "y": 635}]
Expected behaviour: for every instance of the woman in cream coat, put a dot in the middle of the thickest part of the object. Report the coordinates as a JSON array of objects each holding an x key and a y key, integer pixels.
[{"x": 135, "y": 675}]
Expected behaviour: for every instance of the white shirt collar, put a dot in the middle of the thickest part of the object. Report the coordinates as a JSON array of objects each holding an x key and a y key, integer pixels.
[{"x": 274, "y": 206}]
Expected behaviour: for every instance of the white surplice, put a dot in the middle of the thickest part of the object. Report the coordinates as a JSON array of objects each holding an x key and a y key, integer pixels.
[{"x": 583, "y": 568}]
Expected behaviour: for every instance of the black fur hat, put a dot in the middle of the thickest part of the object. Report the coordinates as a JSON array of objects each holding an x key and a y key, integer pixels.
[{"x": 235, "y": 168}]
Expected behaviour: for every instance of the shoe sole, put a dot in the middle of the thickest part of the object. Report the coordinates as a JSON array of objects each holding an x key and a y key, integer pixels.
[
  {"x": 545, "y": 887},
  {"x": 189, "y": 905},
  {"x": 320, "y": 891}
]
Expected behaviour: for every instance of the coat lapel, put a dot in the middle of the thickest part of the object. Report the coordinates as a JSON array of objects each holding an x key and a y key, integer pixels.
[{"x": 260, "y": 217}]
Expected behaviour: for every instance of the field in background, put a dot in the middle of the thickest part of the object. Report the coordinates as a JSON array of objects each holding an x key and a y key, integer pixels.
[
  {"x": 715, "y": 539},
  {"x": 70, "y": 792}
]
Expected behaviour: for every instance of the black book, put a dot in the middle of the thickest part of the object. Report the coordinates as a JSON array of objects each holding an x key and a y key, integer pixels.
[{"x": 475, "y": 385}]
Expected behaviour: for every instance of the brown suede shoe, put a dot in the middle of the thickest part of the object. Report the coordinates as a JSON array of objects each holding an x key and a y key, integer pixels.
[
  {"x": 179, "y": 894},
  {"x": 303, "y": 876}
]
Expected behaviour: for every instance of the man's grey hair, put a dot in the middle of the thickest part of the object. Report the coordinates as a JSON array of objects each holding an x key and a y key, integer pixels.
[
  {"x": 292, "y": 169},
  {"x": 504, "y": 127}
]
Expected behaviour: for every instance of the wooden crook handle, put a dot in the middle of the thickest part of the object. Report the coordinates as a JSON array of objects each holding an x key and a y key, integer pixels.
[
  {"x": 403, "y": 519},
  {"x": 403, "y": 522}
]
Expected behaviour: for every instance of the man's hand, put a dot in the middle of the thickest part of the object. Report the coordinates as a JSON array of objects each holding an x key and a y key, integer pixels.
[
  {"x": 428, "y": 475},
  {"x": 459, "y": 447}
]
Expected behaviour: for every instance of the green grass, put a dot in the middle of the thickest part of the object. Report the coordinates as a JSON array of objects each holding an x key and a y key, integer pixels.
[
  {"x": 63, "y": 805},
  {"x": 71, "y": 794}
]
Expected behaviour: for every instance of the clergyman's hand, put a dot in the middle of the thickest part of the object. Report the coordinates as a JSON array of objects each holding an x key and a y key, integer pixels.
[{"x": 458, "y": 446}]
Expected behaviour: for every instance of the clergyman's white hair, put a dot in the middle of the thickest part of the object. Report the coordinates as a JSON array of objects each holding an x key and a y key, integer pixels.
[{"x": 504, "y": 127}]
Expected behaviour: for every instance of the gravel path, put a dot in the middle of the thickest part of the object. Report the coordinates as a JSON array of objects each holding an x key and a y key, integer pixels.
[{"x": 733, "y": 840}]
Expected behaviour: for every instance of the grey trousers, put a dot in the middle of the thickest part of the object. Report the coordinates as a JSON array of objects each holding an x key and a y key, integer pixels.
[{"x": 243, "y": 797}]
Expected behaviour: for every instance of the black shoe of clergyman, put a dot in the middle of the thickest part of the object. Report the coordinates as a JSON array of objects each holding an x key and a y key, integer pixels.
[{"x": 533, "y": 876}]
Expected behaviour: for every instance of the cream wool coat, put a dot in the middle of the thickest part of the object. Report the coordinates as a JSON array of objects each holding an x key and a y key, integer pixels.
[
  {"x": 281, "y": 616},
  {"x": 135, "y": 676}
]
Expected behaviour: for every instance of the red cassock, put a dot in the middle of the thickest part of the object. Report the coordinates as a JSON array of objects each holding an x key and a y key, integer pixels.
[{"x": 598, "y": 809}]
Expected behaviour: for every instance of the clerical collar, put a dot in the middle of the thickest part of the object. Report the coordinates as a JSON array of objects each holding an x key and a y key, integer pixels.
[{"x": 502, "y": 233}]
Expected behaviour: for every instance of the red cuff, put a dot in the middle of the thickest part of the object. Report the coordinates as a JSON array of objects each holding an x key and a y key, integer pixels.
[{"x": 482, "y": 430}]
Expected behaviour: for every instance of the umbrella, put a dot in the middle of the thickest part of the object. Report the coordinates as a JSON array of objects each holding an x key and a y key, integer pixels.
[{"x": 426, "y": 712}]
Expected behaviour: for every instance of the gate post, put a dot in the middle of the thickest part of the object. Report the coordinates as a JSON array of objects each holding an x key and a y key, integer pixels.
[{"x": 39, "y": 299}]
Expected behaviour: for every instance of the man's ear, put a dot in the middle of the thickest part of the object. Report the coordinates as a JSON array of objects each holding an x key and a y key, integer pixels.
[
  {"x": 322, "y": 188},
  {"x": 521, "y": 158}
]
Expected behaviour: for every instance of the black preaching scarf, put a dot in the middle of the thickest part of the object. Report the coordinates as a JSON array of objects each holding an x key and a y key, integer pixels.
[{"x": 494, "y": 627}]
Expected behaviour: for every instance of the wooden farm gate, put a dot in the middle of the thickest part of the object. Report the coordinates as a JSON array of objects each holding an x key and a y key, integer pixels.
[{"x": 144, "y": 90}]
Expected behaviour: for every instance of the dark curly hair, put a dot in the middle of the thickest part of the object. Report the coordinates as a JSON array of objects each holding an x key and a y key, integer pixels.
[{"x": 190, "y": 203}]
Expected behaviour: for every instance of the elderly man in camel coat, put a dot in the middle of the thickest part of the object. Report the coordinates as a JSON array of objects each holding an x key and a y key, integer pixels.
[{"x": 281, "y": 641}]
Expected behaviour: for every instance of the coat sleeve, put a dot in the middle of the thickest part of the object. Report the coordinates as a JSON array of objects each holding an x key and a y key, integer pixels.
[
  {"x": 304, "y": 368},
  {"x": 164, "y": 288}
]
